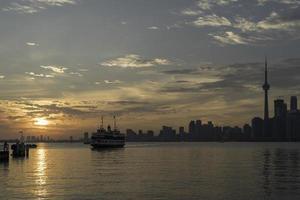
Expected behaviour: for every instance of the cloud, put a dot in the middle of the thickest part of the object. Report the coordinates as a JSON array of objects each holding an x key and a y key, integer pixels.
[
  {"x": 54, "y": 2},
  {"x": 39, "y": 75},
  {"x": 153, "y": 28},
  {"x": 135, "y": 61},
  {"x": 288, "y": 2},
  {"x": 34, "y": 109},
  {"x": 34, "y": 6},
  {"x": 112, "y": 81},
  {"x": 56, "y": 69},
  {"x": 231, "y": 38},
  {"x": 190, "y": 12},
  {"x": 2, "y": 76},
  {"x": 32, "y": 44},
  {"x": 281, "y": 24},
  {"x": 209, "y": 4},
  {"x": 181, "y": 71},
  {"x": 83, "y": 70},
  {"x": 76, "y": 74},
  {"x": 211, "y": 20},
  {"x": 20, "y": 8},
  {"x": 244, "y": 24},
  {"x": 277, "y": 22}
]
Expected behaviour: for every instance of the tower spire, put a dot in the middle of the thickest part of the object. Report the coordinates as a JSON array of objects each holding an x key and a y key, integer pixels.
[
  {"x": 115, "y": 123},
  {"x": 266, "y": 69},
  {"x": 266, "y": 88}
]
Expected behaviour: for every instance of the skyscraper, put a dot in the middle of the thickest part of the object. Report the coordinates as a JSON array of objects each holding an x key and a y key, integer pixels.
[
  {"x": 280, "y": 108},
  {"x": 279, "y": 120},
  {"x": 266, "y": 88},
  {"x": 293, "y": 104}
]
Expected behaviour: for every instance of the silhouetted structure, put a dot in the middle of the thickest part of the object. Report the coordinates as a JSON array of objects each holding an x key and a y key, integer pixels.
[
  {"x": 266, "y": 88},
  {"x": 257, "y": 128},
  {"x": 294, "y": 104},
  {"x": 283, "y": 126},
  {"x": 279, "y": 120},
  {"x": 86, "y": 139}
]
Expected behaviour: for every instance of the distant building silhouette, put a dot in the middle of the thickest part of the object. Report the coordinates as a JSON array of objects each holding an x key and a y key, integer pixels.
[
  {"x": 279, "y": 120},
  {"x": 283, "y": 126},
  {"x": 266, "y": 88},
  {"x": 294, "y": 104},
  {"x": 257, "y": 127},
  {"x": 86, "y": 138},
  {"x": 167, "y": 133},
  {"x": 247, "y": 131}
]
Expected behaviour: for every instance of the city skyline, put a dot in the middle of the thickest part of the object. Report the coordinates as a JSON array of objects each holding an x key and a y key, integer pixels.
[{"x": 63, "y": 64}]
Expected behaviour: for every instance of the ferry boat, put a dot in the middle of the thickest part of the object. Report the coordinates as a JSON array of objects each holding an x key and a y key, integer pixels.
[
  {"x": 4, "y": 152},
  {"x": 107, "y": 138}
]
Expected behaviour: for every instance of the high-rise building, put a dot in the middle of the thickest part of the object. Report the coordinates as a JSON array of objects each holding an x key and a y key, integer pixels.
[
  {"x": 280, "y": 108},
  {"x": 33, "y": 139},
  {"x": 192, "y": 127},
  {"x": 140, "y": 132},
  {"x": 293, "y": 105},
  {"x": 266, "y": 88},
  {"x": 279, "y": 120},
  {"x": 150, "y": 133},
  {"x": 167, "y": 133},
  {"x": 293, "y": 126},
  {"x": 131, "y": 135},
  {"x": 247, "y": 131},
  {"x": 257, "y": 127},
  {"x": 181, "y": 130}
]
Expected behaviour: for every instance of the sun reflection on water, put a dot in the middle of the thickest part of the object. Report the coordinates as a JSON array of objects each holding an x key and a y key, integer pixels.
[{"x": 41, "y": 175}]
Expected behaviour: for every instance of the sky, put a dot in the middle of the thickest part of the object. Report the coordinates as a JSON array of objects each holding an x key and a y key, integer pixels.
[{"x": 65, "y": 63}]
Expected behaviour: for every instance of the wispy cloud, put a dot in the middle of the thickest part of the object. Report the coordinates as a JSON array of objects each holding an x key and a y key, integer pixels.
[
  {"x": 135, "y": 61},
  {"x": 76, "y": 74},
  {"x": 40, "y": 75},
  {"x": 231, "y": 38},
  {"x": 153, "y": 28},
  {"x": 112, "y": 81},
  {"x": 34, "y": 6},
  {"x": 211, "y": 20},
  {"x": 56, "y": 69},
  {"x": 288, "y": 2},
  {"x": 282, "y": 23},
  {"x": 209, "y": 4},
  {"x": 32, "y": 44},
  {"x": 190, "y": 12}
]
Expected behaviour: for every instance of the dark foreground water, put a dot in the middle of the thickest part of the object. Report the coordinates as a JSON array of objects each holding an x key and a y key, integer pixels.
[{"x": 232, "y": 171}]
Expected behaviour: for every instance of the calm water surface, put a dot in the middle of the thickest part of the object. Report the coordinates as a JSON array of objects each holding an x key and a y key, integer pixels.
[{"x": 155, "y": 171}]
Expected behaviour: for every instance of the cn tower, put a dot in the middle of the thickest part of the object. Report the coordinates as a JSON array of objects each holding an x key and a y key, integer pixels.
[{"x": 266, "y": 88}]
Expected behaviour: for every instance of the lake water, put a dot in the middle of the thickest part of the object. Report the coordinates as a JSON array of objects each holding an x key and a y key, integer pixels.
[{"x": 180, "y": 171}]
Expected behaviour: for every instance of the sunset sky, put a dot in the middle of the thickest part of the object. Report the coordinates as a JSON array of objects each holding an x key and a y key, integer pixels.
[{"x": 64, "y": 63}]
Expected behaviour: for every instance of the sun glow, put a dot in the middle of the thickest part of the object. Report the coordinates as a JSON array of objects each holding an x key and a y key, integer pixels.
[{"x": 41, "y": 122}]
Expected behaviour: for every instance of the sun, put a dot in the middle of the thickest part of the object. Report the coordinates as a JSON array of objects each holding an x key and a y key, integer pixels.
[{"x": 41, "y": 122}]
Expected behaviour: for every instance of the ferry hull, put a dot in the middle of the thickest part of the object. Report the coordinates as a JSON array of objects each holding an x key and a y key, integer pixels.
[
  {"x": 101, "y": 146},
  {"x": 4, "y": 156}
]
